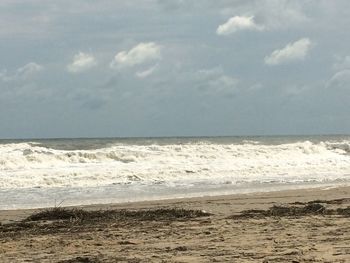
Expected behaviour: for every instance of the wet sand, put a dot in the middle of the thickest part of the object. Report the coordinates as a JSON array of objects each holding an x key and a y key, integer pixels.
[{"x": 306, "y": 233}]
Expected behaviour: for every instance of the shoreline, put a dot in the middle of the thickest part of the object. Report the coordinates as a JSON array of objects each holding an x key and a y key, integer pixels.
[
  {"x": 84, "y": 200},
  {"x": 302, "y": 195}
]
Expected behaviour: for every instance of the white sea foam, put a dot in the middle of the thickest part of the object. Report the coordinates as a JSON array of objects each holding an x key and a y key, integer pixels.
[{"x": 29, "y": 165}]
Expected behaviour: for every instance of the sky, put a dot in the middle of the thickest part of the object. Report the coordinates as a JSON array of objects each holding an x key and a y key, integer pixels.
[{"x": 114, "y": 68}]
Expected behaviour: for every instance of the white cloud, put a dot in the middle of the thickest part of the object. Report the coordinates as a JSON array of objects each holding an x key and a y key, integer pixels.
[
  {"x": 81, "y": 62},
  {"x": 141, "y": 53},
  {"x": 238, "y": 23},
  {"x": 21, "y": 73},
  {"x": 147, "y": 72},
  {"x": 291, "y": 52},
  {"x": 272, "y": 14}
]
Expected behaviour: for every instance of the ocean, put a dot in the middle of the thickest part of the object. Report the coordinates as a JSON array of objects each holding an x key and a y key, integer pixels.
[{"x": 49, "y": 172}]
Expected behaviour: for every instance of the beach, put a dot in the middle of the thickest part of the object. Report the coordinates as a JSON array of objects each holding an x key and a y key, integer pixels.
[
  {"x": 174, "y": 131},
  {"x": 254, "y": 227}
]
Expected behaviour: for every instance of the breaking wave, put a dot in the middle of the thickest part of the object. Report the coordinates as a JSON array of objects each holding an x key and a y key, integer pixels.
[{"x": 28, "y": 165}]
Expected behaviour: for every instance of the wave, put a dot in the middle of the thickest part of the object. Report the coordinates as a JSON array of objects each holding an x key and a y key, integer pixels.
[{"x": 32, "y": 165}]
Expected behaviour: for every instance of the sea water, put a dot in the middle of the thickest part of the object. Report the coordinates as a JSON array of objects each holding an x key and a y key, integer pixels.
[{"x": 42, "y": 173}]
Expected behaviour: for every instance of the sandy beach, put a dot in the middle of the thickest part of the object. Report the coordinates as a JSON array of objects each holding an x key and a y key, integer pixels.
[
  {"x": 311, "y": 225},
  {"x": 174, "y": 131}
]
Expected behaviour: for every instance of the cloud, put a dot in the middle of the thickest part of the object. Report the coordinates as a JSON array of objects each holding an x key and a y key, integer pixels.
[
  {"x": 215, "y": 82},
  {"x": 81, "y": 62},
  {"x": 147, "y": 72},
  {"x": 271, "y": 14},
  {"x": 224, "y": 83},
  {"x": 342, "y": 63},
  {"x": 139, "y": 54},
  {"x": 22, "y": 83},
  {"x": 291, "y": 52},
  {"x": 29, "y": 69},
  {"x": 340, "y": 80},
  {"x": 281, "y": 14},
  {"x": 238, "y": 23},
  {"x": 21, "y": 73}
]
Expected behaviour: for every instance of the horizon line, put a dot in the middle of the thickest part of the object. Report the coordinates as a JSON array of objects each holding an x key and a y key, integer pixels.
[{"x": 171, "y": 136}]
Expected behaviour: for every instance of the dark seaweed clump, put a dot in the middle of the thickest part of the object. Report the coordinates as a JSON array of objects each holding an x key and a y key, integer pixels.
[
  {"x": 75, "y": 214},
  {"x": 329, "y": 202},
  {"x": 59, "y": 219},
  {"x": 310, "y": 208}
]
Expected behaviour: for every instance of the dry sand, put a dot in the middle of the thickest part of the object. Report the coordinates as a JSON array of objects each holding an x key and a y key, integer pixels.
[{"x": 224, "y": 236}]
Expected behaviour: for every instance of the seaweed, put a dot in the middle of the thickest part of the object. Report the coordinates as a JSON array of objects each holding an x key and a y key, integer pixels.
[
  {"x": 75, "y": 214},
  {"x": 57, "y": 219},
  {"x": 311, "y": 208}
]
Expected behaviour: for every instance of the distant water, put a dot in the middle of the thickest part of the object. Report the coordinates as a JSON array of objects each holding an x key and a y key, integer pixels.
[{"x": 41, "y": 173}]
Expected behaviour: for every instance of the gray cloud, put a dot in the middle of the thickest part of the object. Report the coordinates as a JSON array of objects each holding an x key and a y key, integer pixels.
[
  {"x": 215, "y": 82},
  {"x": 22, "y": 73},
  {"x": 342, "y": 63},
  {"x": 340, "y": 80}
]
